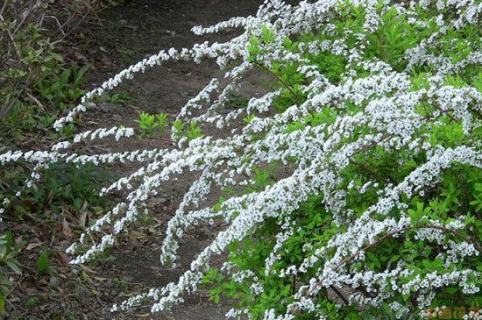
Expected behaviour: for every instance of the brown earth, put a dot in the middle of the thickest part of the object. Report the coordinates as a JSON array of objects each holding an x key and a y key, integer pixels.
[
  {"x": 107, "y": 43},
  {"x": 124, "y": 35}
]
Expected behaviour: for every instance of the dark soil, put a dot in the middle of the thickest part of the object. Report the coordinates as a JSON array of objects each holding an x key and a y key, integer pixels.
[
  {"x": 124, "y": 35},
  {"x": 116, "y": 38}
]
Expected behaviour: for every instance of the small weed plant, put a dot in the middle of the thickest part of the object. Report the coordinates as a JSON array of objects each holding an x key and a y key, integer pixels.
[
  {"x": 150, "y": 123},
  {"x": 36, "y": 82},
  {"x": 371, "y": 129},
  {"x": 9, "y": 248}
]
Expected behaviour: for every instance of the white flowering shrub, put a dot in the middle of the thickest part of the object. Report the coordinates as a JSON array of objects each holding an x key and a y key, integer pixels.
[{"x": 375, "y": 124}]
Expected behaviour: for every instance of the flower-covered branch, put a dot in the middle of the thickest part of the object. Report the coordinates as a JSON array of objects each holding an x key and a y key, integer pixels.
[{"x": 372, "y": 123}]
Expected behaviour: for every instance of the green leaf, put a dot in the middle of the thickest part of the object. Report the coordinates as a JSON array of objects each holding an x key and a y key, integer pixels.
[
  {"x": 267, "y": 35},
  {"x": 417, "y": 214},
  {"x": 2, "y": 303},
  {"x": 77, "y": 203},
  {"x": 32, "y": 301},
  {"x": 14, "y": 265},
  {"x": 43, "y": 263},
  {"x": 79, "y": 76},
  {"x": 253, "y": 49}
]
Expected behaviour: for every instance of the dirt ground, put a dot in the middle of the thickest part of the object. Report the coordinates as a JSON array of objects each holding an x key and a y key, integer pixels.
[
  {"x": 115, "y": 39},
  {"x": 129, "y": 33},
  {"x": 124, "y": 35}
]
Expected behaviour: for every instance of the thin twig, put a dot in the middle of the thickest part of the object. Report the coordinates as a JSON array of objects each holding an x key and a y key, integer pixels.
[
  {"x": 476, "y": 244},
  {"x": 339, "y": 294},
  {"x": 42, "y": 107},
  {"x": 58, "y": 24},
  {"x": 26, "y": 14},
  {"x": 12, "y": 39},
  {"x": 4, "y": 7},
  {"x": 284, "y": 83}
]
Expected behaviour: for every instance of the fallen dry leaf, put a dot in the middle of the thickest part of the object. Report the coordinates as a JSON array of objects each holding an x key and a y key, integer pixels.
[
  {"x": 64, "y": 257},
  {"x": 83, "y": 218},
  {"x": 34, "y": 245},
  {"x": 66, "y": 229}
]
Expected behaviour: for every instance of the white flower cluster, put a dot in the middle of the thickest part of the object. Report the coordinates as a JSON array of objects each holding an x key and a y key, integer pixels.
[
  {"x": 99, "y": 133},
  {"x": 377, "y": 108}
]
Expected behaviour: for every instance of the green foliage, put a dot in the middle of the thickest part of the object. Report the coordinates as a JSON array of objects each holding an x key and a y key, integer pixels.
[
  {"x": 393, "y": 37},
  {"x": 327, "y": 116},
  {"x": 43, "y": 263},
  {"x": 162, "y": 122},
  {"x": 178, "y": 127},
  {"x": 263, "y": 176},
  {"x": 121, "y": 98},
  {"x": 190, "y": 133},
  {"x": 267, "y": 35},
  {"x": 148, "y": 123},
  {"x": 194, "y": 131},
  {"x": 8, "y": 265},
  {"x": 249, "y": 118},
  {"x": 253, "y": 49},
  {"x": 456, "y": 197},
  {"x": 315, "y": 227},
  {"x": 127, "y": 56},
  {"x": 236, "y": 101},
  {"x": 64, "y": 87},
  {"x": 255, "y": 45},
  {"x": 32, "y": 302},
  {"x": 63, "y": 188},
  {"x": 460, "y": 187},
  {"x": 36, "y": 83},
  {"x": 51, "y": 94},
  {"x": 477, "y": 202}
]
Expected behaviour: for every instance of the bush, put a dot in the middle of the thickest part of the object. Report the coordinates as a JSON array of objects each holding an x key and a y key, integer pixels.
[
  {"x": 36, "y": 81},
  {"x": 8, "y": 264},
  {"x": 36, "y": 84},
  {"x": 373, "y": 128}
]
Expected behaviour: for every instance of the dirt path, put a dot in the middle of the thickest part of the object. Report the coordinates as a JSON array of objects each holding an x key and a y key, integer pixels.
[{"x": 127, "y": 34}]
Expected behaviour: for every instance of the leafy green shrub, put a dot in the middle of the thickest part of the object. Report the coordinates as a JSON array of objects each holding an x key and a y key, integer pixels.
[
  {"x": 36, "y": 82},
  {"x": 148, "y": 123},
  {"x": 8, "y": 264},
  {"x": 63, "y": 188},
  {"x": 374, "y": 119}
]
